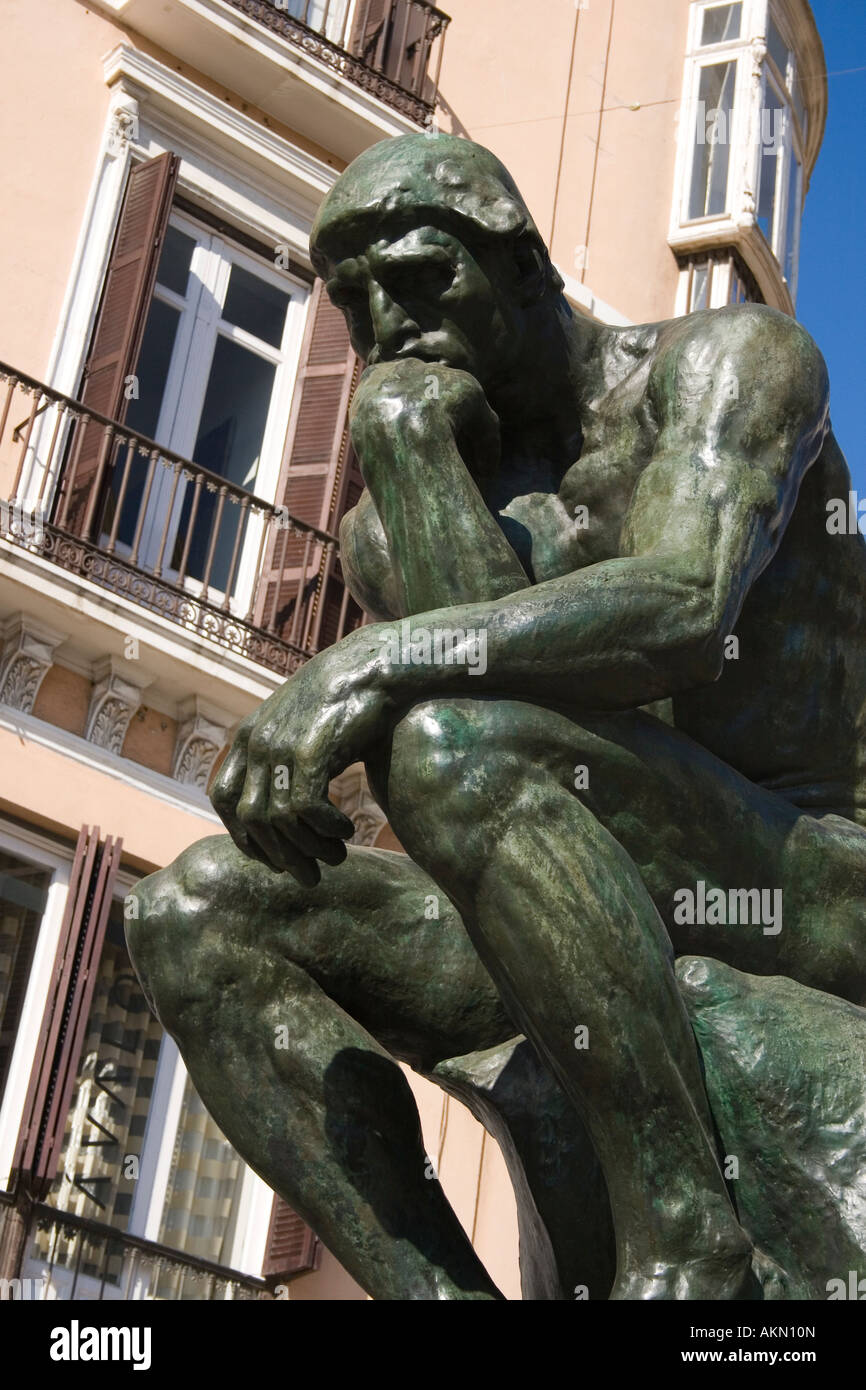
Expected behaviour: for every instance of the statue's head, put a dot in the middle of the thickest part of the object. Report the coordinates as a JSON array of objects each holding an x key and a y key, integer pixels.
[{"x": 426, "y": 245}]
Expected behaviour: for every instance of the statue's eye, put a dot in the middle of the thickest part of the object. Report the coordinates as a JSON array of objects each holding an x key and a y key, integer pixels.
[{"x": 421, "y": 278}]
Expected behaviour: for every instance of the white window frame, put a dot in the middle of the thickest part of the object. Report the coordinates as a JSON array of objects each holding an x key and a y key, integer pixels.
[
  {"x": 737, "y": 226},
  {"x": 44, "y": 854},
  {"x": 201, "y": 325}
]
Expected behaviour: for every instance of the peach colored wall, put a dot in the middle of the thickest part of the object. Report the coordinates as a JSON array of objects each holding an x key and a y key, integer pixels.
[
  {"x": 55, "y": 792},
  {"x": 54, "y": 104},
  {"x": 596, "y": 179},
  {"x": 53, "y": 107}
]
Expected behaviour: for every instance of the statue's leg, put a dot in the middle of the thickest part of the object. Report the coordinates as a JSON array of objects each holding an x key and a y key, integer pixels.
[
  {"x": 232, "y": 956},
  {"x": 481, "y": 793},
  {"x": 794, "y": 882}
]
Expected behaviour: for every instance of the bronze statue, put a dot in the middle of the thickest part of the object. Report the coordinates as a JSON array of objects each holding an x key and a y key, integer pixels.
[{"x": 621, "y": 723}]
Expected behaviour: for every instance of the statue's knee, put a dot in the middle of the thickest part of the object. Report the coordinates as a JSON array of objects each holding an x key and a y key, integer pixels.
[
  {"x": 450, "y": 768},
  {"x": 173, "y": 911}
]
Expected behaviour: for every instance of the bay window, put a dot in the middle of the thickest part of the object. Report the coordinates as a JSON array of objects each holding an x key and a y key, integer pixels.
[{"x": 751, "y": 122}]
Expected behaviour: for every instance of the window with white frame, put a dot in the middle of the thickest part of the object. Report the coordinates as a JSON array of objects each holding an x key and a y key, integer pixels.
[
  {"x": 213, "y": 383},
  {"x": 140, "y": 1153},
  {"x": 784, "y": 125},
  {"x": 743, "y": 158}
]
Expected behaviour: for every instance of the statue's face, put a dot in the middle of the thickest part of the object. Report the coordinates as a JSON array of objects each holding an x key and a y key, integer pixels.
[{"x": 425, "y": 295}]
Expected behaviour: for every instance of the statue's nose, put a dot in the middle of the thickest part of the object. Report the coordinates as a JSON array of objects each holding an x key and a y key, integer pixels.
[{"x": 392, "y": 325}]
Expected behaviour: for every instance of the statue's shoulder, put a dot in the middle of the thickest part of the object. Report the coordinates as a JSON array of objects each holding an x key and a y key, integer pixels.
[
  {"x": 773, "y": 358},
  {"x": 739, "y": 332}
]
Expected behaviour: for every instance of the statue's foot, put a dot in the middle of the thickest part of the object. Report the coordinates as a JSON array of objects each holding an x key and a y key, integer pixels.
[{"x": 723, "y": 1275}]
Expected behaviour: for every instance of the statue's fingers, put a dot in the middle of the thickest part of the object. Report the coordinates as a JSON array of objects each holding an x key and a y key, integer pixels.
[
  {"x": 284, "y": 856},
  {"x": 225, "y": 794},
  {"x": 310, "y": 804},
  {"x": 285, "y": 822},
  {"x": 280, "y": 850}
]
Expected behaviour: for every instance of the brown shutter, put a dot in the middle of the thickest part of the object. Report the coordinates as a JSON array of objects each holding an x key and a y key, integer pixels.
[
  {"x": 82, "y": 933},
  {"x": 314, "y": 463},
  {"x": 292, "y": 1247},
  {"x": 118, "y": 330},
  {"x": 367, "y": 31}
]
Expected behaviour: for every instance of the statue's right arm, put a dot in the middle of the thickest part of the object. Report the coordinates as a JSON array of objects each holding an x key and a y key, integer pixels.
[{"x": 366, "y": 563}]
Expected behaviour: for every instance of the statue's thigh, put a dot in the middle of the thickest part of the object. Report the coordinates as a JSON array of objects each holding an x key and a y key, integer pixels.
[
  {"x": 682, "y": 815},
  {"x": 375, "y": 934}
]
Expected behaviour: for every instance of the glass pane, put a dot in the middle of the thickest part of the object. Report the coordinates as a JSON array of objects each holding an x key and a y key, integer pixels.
[
  {"x": 778, "y": 50},
  {"x": 709, "y": 190},
  {"x": 230, "y": 436},
  {"x": 772, "y": 150},
  {"x": 792, "y": 228},
  {"x": 23, "y": 895},
  {"x": 700, "y": 284},
  {"x": 175, "y": 260},
  {"x": 800, "y": 102},
  {"x": 722, "y": 23},
  {"x": 319, "y": 15},
  {"x": 142, "y": 415},
  {"x": 116, "y": 1070},
  {"x": 256, "y": 305},
  {"x": 201, "y": 1201},
  {"x": 154, "y": 361}
]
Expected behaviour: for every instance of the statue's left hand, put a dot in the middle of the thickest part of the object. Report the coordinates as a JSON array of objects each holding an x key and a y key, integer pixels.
[{"x": 272, "y": 790}]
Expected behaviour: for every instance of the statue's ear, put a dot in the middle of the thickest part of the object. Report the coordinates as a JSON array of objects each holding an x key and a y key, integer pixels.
[{"x": 531, "y": 263}]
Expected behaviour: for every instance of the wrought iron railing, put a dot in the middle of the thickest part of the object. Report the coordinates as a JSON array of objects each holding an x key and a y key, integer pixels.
[
  {"x": 70, "y": 1257},
  {"x": 164, "y": 532},
  {"x": 390, "y": 48}
]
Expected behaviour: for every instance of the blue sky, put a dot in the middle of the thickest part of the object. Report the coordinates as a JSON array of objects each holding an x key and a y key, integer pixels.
[{"x": 831, "y": 300}]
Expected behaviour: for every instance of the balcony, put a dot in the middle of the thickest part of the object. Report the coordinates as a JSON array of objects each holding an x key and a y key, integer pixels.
[
  {"x": 72, "y": 1258},
  {"x": 388, "y": 52},
  {"x": 343, "y": 73},
  {"x": 116, "y": 509}
]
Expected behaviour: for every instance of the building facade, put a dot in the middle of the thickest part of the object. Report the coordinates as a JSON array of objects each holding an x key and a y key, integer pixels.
[{"x": 174, "y": 464}]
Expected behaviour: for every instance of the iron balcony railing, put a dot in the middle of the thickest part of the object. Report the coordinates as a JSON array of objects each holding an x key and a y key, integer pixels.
[
  {"x": 390, "y": 48},
  {"x": 164, "y": 532},
  {"x": 71, "y": 1257}
]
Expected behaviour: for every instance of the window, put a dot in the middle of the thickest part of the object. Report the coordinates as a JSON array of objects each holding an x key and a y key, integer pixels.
[
  {"x": 23, "y": 898},
  {"x": 715, "y": 280},
  {"x": 709, "y": 191},
  {"x": 741, "y": 168},
  {"x": 213, "y": 383},
  {"x": 783, "y": 133},
  {"x": 141, "y": 1155},
  {"x": 721, "y": 23}
]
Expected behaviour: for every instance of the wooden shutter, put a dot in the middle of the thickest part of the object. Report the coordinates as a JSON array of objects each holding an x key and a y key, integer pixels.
[
  {"x": 118, "y": 331},
  {"x": 314, "y": 461},
  {"x": 367, "y": 31},
  {"x": 292, "y": 1247},
  {"x": 64, "y": 1022}
]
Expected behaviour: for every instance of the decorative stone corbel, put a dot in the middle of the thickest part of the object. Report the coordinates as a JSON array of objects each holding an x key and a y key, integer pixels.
[
  {"x": 115, "y": 697},
  {"x": 123, "y": 126},
  {"x": 203, "y": 731},
  {"x": 28, "y": 651},
  {"x": 353, "y": 796}
]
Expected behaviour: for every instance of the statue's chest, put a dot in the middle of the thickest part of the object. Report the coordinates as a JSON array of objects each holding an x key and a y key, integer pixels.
[{"x": 582, "y": 524}]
